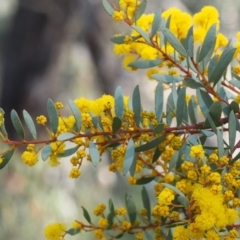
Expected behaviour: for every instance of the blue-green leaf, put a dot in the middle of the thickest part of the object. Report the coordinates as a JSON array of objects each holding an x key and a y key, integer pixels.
[
  {"x": 220, "y": 143},
  {"x": 207, "y": 133},
  {"x": 181, "y": 106},
  {"x": 166, "y": 78},
  {"x": 146, "y": 202},
  {"x": 216, "y": 111},
  {"x": 116, "y": 125},
  {"x": 86, "y": 215},
  {"x": 183, "y": 201},
  {"x": 141, "y": 9},
  {"x": 53, "y": 115},
  {"x": 156, "y": 22},
  {"x": 173, "y": 161},
  {"x": 129, "y": 156},
  {"x": 133, "y": 166},
  {"x": 30, "y": 123},
  {"x": 225, "y": 59},
  {"x": 144, "y": 181},
  {"x": 111, "y": 214},
  {"x": 170, "y": 109},
  {"x": 174, "y": 42},
  {"x": 208, "y": 42},
  {"x": 65, "y": 136},
  {"x": 148, "y": 236},
  {"x": 73, "y": 231},
  {"x": 131, "y": 208},
  {"x": 212, "y": 65},
  {"x": 17, "y": 124},
  {"x": 136, "y": 105},
  {"x": 94, "y": 153},
  {"x": 68, "y": 152},
  {"x": 142, "y": 33},
  {"x": 77, "y": 114},
  {"x": 108, "y": 8},
  {"x": 190, "y": 82},
  {"x": 46, "y": 152},
  {"x": 232, "y": 129},
  {"x": 192, "y": 110},
  {"x": 150, "y": 145},
  {"x": 6, "y": 158},
  {"x": 142, "y": 64},
  {"x": 119, "y": 103},
  {"x": 121, "y": 39},
  {"x": 159, "y": 101},
  {"x": 158, "y": 129}
]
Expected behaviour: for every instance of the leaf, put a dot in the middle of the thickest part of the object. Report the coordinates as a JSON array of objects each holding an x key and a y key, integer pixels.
[
  {"x": 207, "y": 133},
  {"x": 108, "y": 8},
  {"x": 220, "y": 143},
  {"x": 30, "y": 123},
  {"x": 156, "y": 155},
  {"x": 159, "y": 128},
  {"x": 208, "y": 42},
  {"x": 17, "y": 124},
  {"x": 6, "y": 158},
  {"x": 235, "y": 83},
  {"x": 119, "y": 103},
  {"x": 174, "y": 42},
  {"x": 150, "y": 145},
  {"x": 68, "y": 152},
  {"x": 94, "y": 153},
  {"x": 148, "y": 236},
  {"x": 225, "y": 59},
  {"x": 53, "y": 115},
  {"x": 170, "y": 109},
  {"x": 234, "y": 106},
  {"x": 212, "y": 65},
  {"x": 73, "y": 231},
  {"x": 190, "y": 82},
  {"x": 136, "y": 105},
  {"x": 144, "y": 181},
  {"x": 121, "y": 39},
  {"x": 141, "y": 9},
  {"x": 181, "y": 105},
  {"x": 232, "y": 130},
  {"x": 159, "y": 101},
  {"x": 65, "y": 136},
  {"x": 142, "y": 33},
  {"x": 167, "y": 78},
  {"x": 216, "y": 111},
  {"x": 156, "y": 22},
  {"x": 146, "y": 202},
  {"x": 46, "y": 152},
  {"x": 131, "y": 208},
  {"x": 111, "y": 214},
  {"x": 206, "y": 98},
  {"x": 77, "y": 114},
  {"x": 129, "y": 156},
  {"x": 183, "y": 201},
  {"x": 133, "y": 166},
  {"x": 116, "y": 125},
  {"x": 202, "y": 104},
  {"x": 176, "y": 190},
  {"x": 86, "y": 215},
  {"x": 142, "y": 64},
  {"x": 173, "y": 161},
  {"x": 192, "y": 110}
]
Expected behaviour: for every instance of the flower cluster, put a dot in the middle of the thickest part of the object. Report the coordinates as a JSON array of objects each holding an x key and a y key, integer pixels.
[{"x": 196, "y": 184}]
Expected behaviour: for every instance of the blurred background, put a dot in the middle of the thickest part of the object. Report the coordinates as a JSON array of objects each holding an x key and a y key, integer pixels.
[{"x": 60, "y": 49}]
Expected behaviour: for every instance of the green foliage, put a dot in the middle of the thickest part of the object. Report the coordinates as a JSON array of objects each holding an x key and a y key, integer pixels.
[{"x": 195, "y": 102}]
